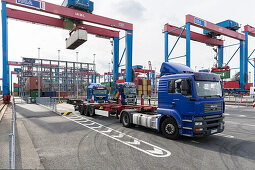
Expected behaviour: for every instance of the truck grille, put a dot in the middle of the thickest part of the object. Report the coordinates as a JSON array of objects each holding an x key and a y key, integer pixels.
[
  {"x": 211, "y": 108},
  {"x": 213, "y": 122}
]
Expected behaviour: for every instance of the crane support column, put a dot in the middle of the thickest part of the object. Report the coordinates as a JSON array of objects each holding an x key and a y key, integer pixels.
[
  {"x": 6, "y": 87},
  {"x": 246, "y": 54},
  {"x": 242, "y": 65},
  {"x": 129, "y": 47},
  {"x": 220, "y": 55},
  {"x": 116, "y": 42},
  {"x": 166, "y": 46},
  {"x": 188, "y": 44}
]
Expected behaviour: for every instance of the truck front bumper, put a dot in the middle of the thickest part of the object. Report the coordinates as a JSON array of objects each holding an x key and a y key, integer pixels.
[{"x": 208, "y": 125}]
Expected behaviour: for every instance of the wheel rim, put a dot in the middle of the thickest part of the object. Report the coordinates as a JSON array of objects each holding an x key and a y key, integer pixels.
[
  {"x": 170, "y": 129},
  {"x": 125, "y": 119}
]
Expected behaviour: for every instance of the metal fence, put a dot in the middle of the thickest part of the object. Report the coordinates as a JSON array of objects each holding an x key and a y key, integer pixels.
[
  {"x": 50, "y": 103},
  {"x": 12, "y": 137}
]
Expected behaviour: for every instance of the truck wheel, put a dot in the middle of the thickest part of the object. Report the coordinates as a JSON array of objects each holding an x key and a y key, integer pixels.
[
  {"x": 125, "y": 119},
  {"x": 92, "y": 111},
  {"x": 170, "y": 129},
  {"x": 82, "y": 110},
  {"x": 86, "y": 110}
]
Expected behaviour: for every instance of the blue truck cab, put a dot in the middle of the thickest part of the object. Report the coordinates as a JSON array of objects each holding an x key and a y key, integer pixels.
[
  {"x": 97, "y": 93},
  {"x": 189, "y": 104},
  {"x": 127, "y": 93}
]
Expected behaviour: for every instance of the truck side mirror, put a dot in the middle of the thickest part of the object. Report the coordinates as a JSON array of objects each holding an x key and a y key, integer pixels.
[{"x": 186, "y": 87}]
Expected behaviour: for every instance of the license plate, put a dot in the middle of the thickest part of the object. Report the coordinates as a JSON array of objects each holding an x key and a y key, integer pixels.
[{"x": 214, "y": 131}]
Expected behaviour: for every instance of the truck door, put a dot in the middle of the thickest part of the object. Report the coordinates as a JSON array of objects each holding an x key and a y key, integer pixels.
[{"x": 181, "y": 90}]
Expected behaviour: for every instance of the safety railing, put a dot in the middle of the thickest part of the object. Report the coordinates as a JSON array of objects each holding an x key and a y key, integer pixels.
[
  {"x": 12, "y": 137},
  {"x": 239, "y": 100},
  {"x": 48, "y": 102}
]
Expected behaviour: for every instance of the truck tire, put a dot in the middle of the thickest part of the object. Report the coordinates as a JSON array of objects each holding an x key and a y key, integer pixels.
[
  {"x": 83, "y": 108},
  {"x": 125, "y": 119},
  {"x": 86, "y": 110},
  {"x": 170, "y": 129},
  {"x": 92, "y": 111}
]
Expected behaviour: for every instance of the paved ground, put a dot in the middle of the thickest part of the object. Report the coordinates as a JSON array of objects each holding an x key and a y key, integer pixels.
[{"x": 74, "y": 142}]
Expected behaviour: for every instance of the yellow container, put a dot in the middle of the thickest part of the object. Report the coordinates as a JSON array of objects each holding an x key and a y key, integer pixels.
[
  {"x": 145, "y": 88},
  {"x": 140, "y": 87},
  {"x": 145, "y": 82},
  {"x": 140, "y": 93},
  {"x": 15, "y": 93},
  {"x": 149, "y": 87}
]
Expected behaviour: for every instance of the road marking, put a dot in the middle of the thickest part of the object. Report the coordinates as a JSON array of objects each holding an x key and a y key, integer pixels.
[
  {"x": 243, "y": 124},
  {"x": 224, "y": 135},
  {"x": 137, "y": 144},
  {"x": 226, "y": 114},
  {"x": 242, "y": 116}
]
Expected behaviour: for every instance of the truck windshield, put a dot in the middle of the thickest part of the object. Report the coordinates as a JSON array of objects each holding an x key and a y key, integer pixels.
[
  {"x": 130, "y": 90},
  {"x": 100, "y": 91},
  {"x": 208, "y": 89}
]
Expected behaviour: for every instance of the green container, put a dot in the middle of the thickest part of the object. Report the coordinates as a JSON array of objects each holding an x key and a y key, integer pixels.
[
  {"x": 34, "y": 93},
  {"x": 223, "y": 74},
  {"x": 16, "y": 89}
]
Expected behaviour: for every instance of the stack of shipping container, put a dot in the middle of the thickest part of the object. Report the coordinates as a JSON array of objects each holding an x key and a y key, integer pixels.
[
  {"x": 15, "y": 89},
  {"x": 32, "y": 87},
  {"x": 143, "y": 87}
]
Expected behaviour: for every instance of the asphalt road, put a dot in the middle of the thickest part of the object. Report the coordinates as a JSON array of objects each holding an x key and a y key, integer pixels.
[{"x": 79, "y": 142}]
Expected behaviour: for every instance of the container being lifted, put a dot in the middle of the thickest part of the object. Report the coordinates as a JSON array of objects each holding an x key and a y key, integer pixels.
[{"x": 189, "y": 104}]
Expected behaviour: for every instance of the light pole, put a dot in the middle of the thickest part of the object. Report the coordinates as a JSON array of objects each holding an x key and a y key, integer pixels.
[
  {"x": 77, "y": 54},
  {"x": 58, "y": 75},
  {"x": 38, "y": 72},
  {"x": 94, "y": 67}
]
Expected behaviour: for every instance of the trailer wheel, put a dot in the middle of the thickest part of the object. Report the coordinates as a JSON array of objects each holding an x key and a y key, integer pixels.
[
  {"x": 86, "y": 110},
  {"x": 92, "y": 111},
  {"x": 125, "y": 119},
  {"x": 170, "y": 129}
]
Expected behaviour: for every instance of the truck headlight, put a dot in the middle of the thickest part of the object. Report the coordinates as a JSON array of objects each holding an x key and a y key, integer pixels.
[{"x": 198, "y": 123}]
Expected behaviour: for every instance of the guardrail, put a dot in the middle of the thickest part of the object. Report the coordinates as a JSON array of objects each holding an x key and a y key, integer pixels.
[
  {"x": 12, "y": 137},
  {"x": 50, "y": 103}
]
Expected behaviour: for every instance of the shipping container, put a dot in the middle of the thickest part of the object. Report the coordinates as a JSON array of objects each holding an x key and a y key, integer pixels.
[
  {"x": 231, "y": 85},
  {"x": 140, "y": 87},
  {"x": 32, "y": 83},
  {"x": 15, "y": 93},
  {"x": 145, "y": 88},
  {"x": 148, "y": 82},
  {"x": 15, "y": 85},
  {"x": 34, "y": 93},
  {"x": 149, "y": 87},
  {"x": 144, "y": 82},
  {"x": 49, "y": 94},
  {"x": 248, "y": 86},
  {"x": 140, "y": 93},
  {"x": 62, "y": 94},
  {"x": 15, "y": 89}
]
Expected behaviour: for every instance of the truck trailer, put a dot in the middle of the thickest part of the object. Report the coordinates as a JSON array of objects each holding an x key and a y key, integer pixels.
[{"x": 189, "y": 104}]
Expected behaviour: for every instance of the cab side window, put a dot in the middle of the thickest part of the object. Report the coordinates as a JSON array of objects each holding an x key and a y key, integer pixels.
[{"x": 180, "y": 86}]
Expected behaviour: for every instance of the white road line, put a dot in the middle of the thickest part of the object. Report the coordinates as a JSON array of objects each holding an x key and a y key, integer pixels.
[
  {"x": 226, "y": 114},
  {"x": 242, "y": 116},
  {"x": 224, "y": 135},
  {"x": 243, "y": 124},
  {"x": 155, "y": 151}
]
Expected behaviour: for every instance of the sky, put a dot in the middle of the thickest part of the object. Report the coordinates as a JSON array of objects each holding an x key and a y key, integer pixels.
[{"x": 148, "y": 18}]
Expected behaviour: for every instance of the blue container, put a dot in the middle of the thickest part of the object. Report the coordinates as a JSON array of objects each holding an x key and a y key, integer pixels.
[
  {"x": 83, "y": 5},
  {"x": 229, "y": 24},
  {"x": 17, "y": 69},
  {"x": 50, "y": 94},
  {"x": 138, "y": 67}
]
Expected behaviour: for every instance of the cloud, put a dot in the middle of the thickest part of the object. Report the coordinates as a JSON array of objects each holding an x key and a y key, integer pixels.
[{"x": 131, "y": 9}]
